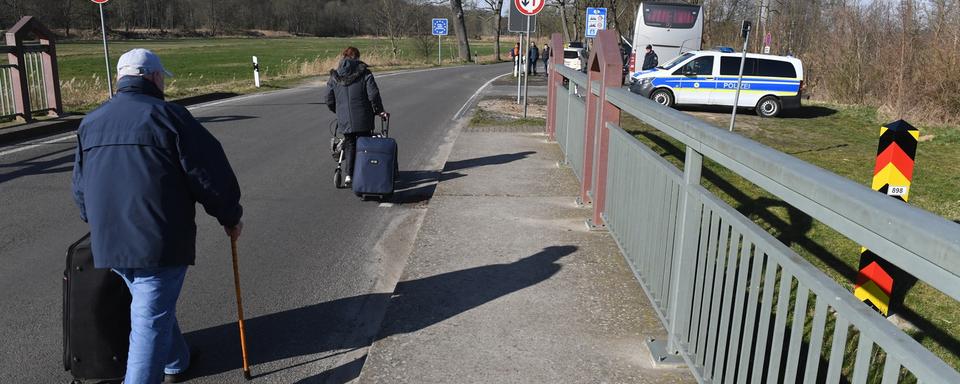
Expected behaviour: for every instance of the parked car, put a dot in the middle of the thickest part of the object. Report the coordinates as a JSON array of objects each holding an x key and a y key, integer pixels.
[
  {"x": 575, "y": 58},
  {"x": 770, "y": 84}
]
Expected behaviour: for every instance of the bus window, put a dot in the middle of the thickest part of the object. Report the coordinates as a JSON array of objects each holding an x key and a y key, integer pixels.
[{"x": 670, "y": 16}]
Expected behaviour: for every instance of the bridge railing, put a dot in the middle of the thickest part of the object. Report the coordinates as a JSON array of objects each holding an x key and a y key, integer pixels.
[
  {"x": 739, "y": 305},
  {"x": 29, "y": 82}
]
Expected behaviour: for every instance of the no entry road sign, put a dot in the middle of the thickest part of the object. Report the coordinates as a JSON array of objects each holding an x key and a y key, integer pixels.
[
  {"x": 100, "y": 1},
  {"x": 529, "y": 7},
  {"x": 440, "y": 27}
]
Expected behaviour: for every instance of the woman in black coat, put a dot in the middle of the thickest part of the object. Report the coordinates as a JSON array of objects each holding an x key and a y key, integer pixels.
[{"x": 353, "y": 95}]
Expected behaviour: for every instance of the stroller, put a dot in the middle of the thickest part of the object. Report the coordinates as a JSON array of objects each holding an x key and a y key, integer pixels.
[{"x": 336, "y": 148}]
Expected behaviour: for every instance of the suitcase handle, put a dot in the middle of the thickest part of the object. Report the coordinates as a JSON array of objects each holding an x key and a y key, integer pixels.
[{"x": 385, "y": 125}]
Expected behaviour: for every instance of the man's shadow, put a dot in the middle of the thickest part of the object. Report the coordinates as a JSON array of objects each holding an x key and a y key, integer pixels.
[{"x": 333, "y": 325}]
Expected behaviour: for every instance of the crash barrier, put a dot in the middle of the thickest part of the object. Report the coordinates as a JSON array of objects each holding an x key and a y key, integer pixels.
[
  {"x": 740, "y": 306},
  {"x": 29, "y": 82}
]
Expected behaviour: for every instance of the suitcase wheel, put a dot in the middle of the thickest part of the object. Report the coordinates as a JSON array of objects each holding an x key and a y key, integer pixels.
[{"x": 338, "y": 178}]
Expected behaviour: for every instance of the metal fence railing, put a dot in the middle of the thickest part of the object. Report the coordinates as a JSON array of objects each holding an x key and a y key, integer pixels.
[
  {"x": 739, "y": 305},
  {"x": 7, "y": 107},
  {"x": 29, "y": 82}
]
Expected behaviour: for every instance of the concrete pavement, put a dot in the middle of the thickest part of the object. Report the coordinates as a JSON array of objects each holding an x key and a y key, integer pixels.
[{"x": 506, "y": 284}]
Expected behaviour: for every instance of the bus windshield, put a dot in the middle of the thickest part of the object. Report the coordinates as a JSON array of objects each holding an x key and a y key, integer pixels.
[
  {"x": 676, "y": 60},
  {"x": 670, "y": 15}
]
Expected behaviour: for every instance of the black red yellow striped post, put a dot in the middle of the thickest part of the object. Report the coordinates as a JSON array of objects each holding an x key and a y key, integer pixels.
[{"x": 880, "y": 283}]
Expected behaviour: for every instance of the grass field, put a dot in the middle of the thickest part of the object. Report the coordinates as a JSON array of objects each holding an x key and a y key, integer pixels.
[
  {"x": 204, "y": 66},
  {"x": 843, "y": 140}
]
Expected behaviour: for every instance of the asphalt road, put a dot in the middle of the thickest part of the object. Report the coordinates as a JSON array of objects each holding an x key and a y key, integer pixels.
[{"x": 317, "y": 264}]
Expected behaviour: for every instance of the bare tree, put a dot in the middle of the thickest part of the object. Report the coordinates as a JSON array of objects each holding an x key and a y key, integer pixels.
[
  {"x": 496, "y": 6},
  {"x": 460, "y": 27}
]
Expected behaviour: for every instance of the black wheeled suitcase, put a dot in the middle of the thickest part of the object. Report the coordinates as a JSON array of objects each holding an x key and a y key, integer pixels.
[
  {"x": 375, "y": 169},
  {"x": 96, "y": 318}
]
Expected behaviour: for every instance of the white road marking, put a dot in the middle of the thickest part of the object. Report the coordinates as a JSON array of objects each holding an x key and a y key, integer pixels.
[
  {"x": 34, "y": 144},
  {"x": 386, "y": 205},
  {"x": 475, "y": 94}
]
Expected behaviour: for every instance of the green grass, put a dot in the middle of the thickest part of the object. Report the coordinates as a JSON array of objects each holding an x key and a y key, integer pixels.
[
  {"x": 224, "y": 65},
  {"x": 842, "y": 139}
]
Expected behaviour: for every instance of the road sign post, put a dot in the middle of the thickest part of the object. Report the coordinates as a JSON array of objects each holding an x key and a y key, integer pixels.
[
  {"x": 106, "y": 51},
  {"x": 440, "y": 29},
  {"x": 745, "y": 32},
  {"x": 596, "y": 21},
  {"x": 528, "y": 8}
]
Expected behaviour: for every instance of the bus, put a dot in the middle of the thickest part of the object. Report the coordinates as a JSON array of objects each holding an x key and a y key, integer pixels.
[{"x": 671, "y": 29}]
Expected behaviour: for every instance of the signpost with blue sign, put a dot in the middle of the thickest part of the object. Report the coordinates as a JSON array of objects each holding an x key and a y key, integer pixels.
[
  {"x": 596, "y": 21},
  {"x": 440, "y": 29}
]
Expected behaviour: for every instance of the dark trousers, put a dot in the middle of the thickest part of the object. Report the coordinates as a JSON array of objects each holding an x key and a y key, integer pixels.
[
  {"x": 532, "y": 66},
  {"x": 545, "y": 67},
  {"x": 350, "y": 150}
]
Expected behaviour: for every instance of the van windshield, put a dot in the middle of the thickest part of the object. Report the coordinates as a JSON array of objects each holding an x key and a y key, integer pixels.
[{"x": 676, "y": 60}]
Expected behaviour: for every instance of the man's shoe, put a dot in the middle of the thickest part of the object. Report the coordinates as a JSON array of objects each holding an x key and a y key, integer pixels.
[
  {"x": 182, "y": 376},
  {"x": 175, "y": 378},
  {"x": 346, "y": 181}
]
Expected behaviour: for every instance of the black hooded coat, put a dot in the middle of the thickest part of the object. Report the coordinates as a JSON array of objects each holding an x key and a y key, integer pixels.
[{"x": 353, "y": 95}]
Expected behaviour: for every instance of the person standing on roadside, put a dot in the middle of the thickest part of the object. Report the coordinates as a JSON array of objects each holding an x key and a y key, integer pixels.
[
  {"x": 353, "y": 95},
  {"x": 533, "y": 55},
  {"x": 142, "y": 164},
  {"x": 546, "y": 57},
  {"x": 650, "y": 59}
]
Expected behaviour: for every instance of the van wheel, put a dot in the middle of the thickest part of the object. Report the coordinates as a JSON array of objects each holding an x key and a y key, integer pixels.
[
  {"x": 769, "y": 107},
  {"x": 662, "y": 97}
]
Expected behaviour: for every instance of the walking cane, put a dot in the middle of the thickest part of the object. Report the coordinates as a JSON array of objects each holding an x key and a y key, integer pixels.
[{"x": 236, "y": 283}]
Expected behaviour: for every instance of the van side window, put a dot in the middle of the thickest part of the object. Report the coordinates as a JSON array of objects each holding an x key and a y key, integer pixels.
[
  {"x": 701, "y": 67},
  {"x": 776, "y": 68},
  {"x": 730, "y": 66}
]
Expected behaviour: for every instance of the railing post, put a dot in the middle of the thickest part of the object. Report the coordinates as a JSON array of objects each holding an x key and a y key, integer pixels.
[
  {"x": 553, "y": 82},
  {"x": 608, "y": 56},
  {"x": 684, "y": 253},
  {"x": 51, "y": 76},
  {"x": 589, "y": 134},
  {"x": 18, "y": 77}
]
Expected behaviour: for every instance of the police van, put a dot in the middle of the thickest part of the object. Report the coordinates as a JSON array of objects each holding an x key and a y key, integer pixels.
[{"x": 771, "y": 83}]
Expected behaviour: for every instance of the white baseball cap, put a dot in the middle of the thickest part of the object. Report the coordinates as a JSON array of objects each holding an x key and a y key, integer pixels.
[{"x": 140, "y": 62}]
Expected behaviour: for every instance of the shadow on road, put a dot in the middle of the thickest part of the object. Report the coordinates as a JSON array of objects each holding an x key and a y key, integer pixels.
[
  {"x": 334, "y": 325},
  {"x": 418, "y": 186},
  {"x": 34, "y": 166}
]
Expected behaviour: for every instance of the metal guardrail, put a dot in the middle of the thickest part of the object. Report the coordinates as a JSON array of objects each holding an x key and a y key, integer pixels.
[
  {"x": 739, "y": 305},
  {"x": 7, "y": 107}
]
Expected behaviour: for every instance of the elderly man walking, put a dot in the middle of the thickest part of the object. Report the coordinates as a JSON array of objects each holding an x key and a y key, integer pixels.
[{"x": 141, "y": 166}]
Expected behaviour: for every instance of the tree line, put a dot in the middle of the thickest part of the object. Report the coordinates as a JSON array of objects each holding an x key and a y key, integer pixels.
[{"x": 898, "y": 55}]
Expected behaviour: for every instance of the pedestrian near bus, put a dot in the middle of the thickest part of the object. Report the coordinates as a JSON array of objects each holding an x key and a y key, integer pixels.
[
  {"x": 532, "y": 56},
  {"x": 142, "y": 164},
  {"x": 353, "y": 95},
  {"x": 546, "y": 57},
  {"x": 650, "y": 59}
]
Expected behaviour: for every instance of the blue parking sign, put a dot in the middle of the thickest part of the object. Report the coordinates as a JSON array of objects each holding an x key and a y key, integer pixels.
[
  {"x": 596, "y": 21},
  {"x": 440, "y": 27}
]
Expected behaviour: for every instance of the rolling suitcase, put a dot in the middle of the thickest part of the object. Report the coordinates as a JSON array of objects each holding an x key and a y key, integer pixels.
[
  {"x": 375, "y": 167},
  {"x": 96, "y": 318}
]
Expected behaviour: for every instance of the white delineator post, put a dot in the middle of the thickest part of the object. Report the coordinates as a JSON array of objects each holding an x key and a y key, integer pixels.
[{"x": 256, "y": 72}]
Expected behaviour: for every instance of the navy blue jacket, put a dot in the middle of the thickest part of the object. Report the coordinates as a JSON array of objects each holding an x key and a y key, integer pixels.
[{"x": 141, "y": 166}]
